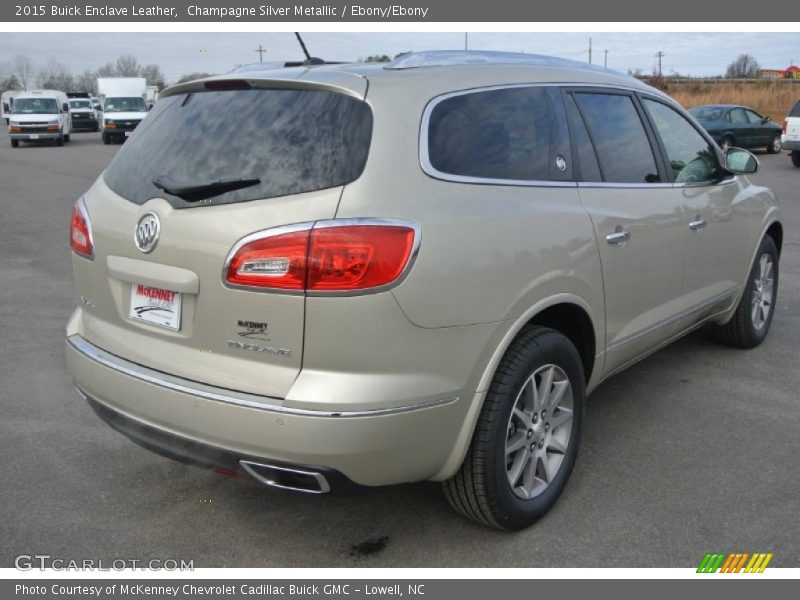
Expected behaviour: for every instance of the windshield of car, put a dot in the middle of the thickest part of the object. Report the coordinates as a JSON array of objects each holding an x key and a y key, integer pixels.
[
  {"x": 795, "y": 112},
  {"x": 80, "y": 104},
  {"x": 133, "y": 104},
  {"x": 279, "y": 142},
  {"x": 35, "y": 106},
  {"x": 705, "y": 113}
]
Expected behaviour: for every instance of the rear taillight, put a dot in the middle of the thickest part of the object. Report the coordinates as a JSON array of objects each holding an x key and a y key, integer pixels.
[
  {"x": 80, "y": 234},
  {"x": 330, "y": 256},
  {"x": 785, "y": 126}
]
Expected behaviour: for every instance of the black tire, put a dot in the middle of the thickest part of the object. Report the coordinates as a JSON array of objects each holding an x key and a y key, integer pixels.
[
  {"x": 741, "y": 330},
  {"x": 15, "y": 143},
  {"x": 60, "y": 140},
  {"x": 481, "y": 489},
  {"x": 95, "y": 129},
  {"x": 796, "y": 158},
  {"x": 66, "y": 138},
  {"x": 775, "y": 146},
  {"x": 106, "y": 139},
  {"x": 726, "y": 143}
]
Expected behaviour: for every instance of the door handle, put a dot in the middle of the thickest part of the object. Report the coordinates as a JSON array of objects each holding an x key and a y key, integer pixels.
[
  {"x": 618, "y": 237},
  {"x": 697, "y": 224}
]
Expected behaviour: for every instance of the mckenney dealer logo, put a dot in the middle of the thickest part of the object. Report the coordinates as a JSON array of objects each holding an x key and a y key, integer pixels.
[{"x": 735, "y": 562}]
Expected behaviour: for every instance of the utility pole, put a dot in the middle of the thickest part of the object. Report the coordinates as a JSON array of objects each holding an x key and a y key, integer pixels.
[
  {"x": 605, "y": 59},
  {"x": 261, "y": 52},
  {"x": 659, "y": 56},
  {"x": 590, "y": 50}
]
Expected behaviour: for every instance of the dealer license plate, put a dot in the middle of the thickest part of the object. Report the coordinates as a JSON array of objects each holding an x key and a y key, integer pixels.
[
  {"x": 128, "y": 133},
  {"x": 34, "y": 136},
  {"x": 155, "y": 306}
]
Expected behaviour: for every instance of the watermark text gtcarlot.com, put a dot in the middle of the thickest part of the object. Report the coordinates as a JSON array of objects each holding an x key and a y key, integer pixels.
[{"x": 43, "y": 562}]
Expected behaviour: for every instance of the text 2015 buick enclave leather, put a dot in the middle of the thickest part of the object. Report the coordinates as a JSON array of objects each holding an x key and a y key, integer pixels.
[{"x": 362, "y": 275}]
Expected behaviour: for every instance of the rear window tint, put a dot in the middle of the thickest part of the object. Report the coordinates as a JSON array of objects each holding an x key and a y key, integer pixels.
[
  {"x": 507, "y": 134},
  {"x": 795, "y": 112},
  {"x": 293, "y": 141}
]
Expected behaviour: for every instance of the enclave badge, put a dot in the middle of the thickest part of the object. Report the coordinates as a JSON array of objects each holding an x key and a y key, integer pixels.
[{"x": 147, "y": 232}]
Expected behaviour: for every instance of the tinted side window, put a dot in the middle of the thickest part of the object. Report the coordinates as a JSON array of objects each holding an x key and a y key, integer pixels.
[
  {"x": 497, "y": 134},
  {"x": 754, "y": 118},
  {"x": 737, "y": 116},
  {"x": 691, "y": 157},
  {"x": 590, "y": 170},
  {"x": 620, "y": 139}
]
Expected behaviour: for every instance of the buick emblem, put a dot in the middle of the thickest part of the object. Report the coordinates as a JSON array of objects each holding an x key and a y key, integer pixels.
[{"x": 147, "y": 231}]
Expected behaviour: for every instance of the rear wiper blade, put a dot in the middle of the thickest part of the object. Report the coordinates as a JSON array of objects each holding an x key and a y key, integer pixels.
[{"x": 200, "y": 190}]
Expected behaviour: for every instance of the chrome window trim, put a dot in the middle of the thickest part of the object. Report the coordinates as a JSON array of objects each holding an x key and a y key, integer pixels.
[
  {"x": 226, "y": 396},
  {"x": 327, "y": 223}
]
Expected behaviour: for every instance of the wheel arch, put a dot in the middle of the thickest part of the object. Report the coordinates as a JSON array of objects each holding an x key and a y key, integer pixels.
[{"x": 569, "y": 314}]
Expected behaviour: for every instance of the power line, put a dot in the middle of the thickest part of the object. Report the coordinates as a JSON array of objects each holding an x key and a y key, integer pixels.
[
  {"x": 659, "y": 56},
  {"x": 261, "y": 52}
]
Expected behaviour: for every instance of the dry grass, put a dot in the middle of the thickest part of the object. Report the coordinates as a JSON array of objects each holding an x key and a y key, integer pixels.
[{"x": 770, "y": 98}]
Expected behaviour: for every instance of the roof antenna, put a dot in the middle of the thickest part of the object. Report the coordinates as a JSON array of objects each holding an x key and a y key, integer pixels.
[{"x": 310, "y": 60}]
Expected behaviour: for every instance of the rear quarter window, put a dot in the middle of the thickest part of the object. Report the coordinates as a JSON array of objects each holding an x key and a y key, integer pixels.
[
  {"x": 293, "y": 141},
  {"x": 795, "y": 112},
  {"x": 509, "y": 134}
]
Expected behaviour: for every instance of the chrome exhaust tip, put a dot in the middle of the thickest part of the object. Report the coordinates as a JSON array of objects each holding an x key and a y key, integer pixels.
[{"x": 287, "y": 478}]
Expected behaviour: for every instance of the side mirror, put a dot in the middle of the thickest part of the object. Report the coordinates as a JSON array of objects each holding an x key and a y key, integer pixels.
[
  {"x": 766, "y": 120},
  {"x": 149, "y": 107},
  {"x": 740, "y": 162},
  {"x": 65, "y": 107}
]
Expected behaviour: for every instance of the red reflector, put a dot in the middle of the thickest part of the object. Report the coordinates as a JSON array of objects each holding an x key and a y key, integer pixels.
[
  {"x": 228, "y": 84},
  {"x": 327, "y": 258},
  {"x": 785, "y": 126},
  {"x": 227, "y": 472},
  {"x": 80, "y": 236},
  {"x": 357, "y": 256}
]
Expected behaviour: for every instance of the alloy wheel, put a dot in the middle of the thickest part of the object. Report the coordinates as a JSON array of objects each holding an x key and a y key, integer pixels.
[{"x": 763, "y": 286}]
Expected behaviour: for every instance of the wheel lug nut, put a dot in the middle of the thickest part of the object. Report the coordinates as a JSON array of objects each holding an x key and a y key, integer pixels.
[
  {"x": 535, "y": 417},
  {"x": 544, "y": 414},
  {"x": 547, "y": 426},
  {"x": 530, "y": 433},
  {"x": 541, "y": 443}
]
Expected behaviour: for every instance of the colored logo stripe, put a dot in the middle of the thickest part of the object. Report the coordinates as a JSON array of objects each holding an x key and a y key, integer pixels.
[{"x": 734, "y": 562}]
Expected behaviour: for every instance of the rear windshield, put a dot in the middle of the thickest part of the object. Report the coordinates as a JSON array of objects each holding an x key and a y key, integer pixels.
[
  {"x": 795, "y": 112},
  {"x": 35, "y": 106},
  {"x": 290, "y": 141}
]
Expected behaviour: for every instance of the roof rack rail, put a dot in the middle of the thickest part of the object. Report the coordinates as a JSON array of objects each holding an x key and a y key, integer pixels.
[
  {"x": 271, "y": 66},
  {"x": 446, "y": 58}
]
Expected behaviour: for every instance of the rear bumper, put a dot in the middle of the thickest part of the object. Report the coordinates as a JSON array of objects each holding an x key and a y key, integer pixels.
[
  {"x": 211, "y": 426},
  {"x": 791, "y": 145}
]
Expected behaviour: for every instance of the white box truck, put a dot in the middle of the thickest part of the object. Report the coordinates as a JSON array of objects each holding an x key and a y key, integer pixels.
[
  {"x": 123, "y": 104},
  {"x": 40, "y": 115},
  {"x": 151, "y": 95}
]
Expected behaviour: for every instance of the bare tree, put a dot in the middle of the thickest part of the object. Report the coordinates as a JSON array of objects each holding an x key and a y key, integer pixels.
[
  {"x": 24, "y": 69},
  {"x": 193, "y": 76},
  {"x": 107, "y": 70},
  {"x": 153, "y": 75},
  {"x": 744, "y": 67},
  {"x": 85, "y": 82},
  {"x": 56, "y": 76},
  {"x": 128, "y": 66}
]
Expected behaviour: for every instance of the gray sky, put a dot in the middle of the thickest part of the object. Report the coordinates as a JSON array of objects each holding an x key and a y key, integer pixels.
[{"x": 181, "y": 53}]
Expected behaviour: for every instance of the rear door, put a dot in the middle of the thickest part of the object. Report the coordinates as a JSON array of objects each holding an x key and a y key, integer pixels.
[
  {"x": 762, "y": 135},
  {"x": 295, "y": 149},
  {"x": 742, "y": 130},
  {"x": 638, "y": 219}
]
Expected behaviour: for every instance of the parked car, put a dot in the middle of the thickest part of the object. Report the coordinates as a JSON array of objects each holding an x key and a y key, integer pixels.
[
  {"x": 740, "y": 126},
  {"x": 791, "y": 133},
  {"x": 83, "y": 114},
  {"x": 378, "y": 274},
  {"x": 40, "y": 115}
]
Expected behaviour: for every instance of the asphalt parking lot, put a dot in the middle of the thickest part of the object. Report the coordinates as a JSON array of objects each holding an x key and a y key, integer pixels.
[{"x": 693, "y": 450}]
